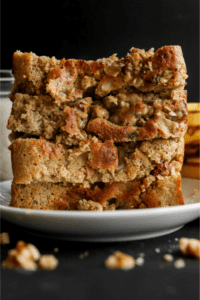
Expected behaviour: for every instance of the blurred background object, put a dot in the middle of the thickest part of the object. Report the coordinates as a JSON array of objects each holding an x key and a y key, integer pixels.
[
  {"x": 191, "y": 166},
  {"x": 6, "y": 82}
]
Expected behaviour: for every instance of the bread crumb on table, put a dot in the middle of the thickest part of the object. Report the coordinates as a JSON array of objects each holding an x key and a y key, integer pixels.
[
  {"x": 120, "y": 260},
  {"x": 139, "y": 261},
  {"x": 179, "y": 263},
  {"x": 27, "y": 256},
  {"x": 157, "y": 250},
  {"x": 4, "y": 238},
  {"x": 189, "y": 246},
  {"x": 23, "y": 256},
  {"x": 168, "y": 257},
  {"x": 48, "y": 262}
]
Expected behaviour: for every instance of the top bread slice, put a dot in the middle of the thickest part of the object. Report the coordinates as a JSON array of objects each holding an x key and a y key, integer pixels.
[{"x": 71, "y": 79}]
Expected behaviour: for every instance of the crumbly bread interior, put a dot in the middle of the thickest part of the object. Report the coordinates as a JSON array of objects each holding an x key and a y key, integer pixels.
[
  {"x": 98, "y": 135},
  {"x": 37, "y": 160}
]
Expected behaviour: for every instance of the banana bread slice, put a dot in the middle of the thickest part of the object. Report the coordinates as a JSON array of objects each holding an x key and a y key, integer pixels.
[
  {"x": 150, "y": 191},
  {"x": 70, "y": 79},
  {"x": 125, "y": 116},
  {"x": 37, "y": 160}
]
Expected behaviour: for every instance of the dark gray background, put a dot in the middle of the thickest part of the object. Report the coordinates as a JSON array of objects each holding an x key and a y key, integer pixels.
[{"x": 94, "y": 29}]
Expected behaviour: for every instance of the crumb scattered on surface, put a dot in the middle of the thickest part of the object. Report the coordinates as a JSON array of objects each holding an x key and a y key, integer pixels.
[
  {"x": 190, "y": 247},
  {"x": 139, "y": 261},
  {"x": 168, "y": 257},
  {"x": 120, "y": 260},
  {"x": 27, "y": 256},
  {"x": 86, "y": 253},
  {"x": 55, "y": 249},
  {"x": 179, "y": 263},
  {"x": 23, "y": 256},
  {"x": 4, "y": 238},
  {"x": 48, "y": 262},
  {"x": 157, "y": 250}
]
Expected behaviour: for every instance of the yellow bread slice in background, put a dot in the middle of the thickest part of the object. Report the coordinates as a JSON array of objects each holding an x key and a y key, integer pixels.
[
  {"x": 193, "y": 132},
  {"x": 191, "y": 170},
  {"x": 191, "y": 166}
]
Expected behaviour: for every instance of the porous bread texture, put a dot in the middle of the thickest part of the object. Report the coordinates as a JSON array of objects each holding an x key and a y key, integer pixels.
[
  {"x": 70, "y": 79},
  {"x": 142, "y": 117},
  {"x": 40, "y": 116},
  {"x": 147, "y": 192},
  {"x": 98, "y": 135},
  {"x": 125, "y": 116},
  {"x": 37, "y": 160},
  {"x": 30, "y": 72}
]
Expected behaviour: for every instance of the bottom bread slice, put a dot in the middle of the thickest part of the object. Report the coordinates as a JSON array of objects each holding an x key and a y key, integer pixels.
[{"x": 148, "y": 192}]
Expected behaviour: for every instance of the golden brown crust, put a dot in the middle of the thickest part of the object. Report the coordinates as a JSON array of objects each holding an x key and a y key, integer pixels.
[
  {"x": 165, "y": 68},
  {"x": 146, "y": 71},
  {"x": 147, "y": 192},
  {"x": 104, "y": 155},
  {"x": 105, "y": 130},
  {"x": 90, "y": 67},
  {"x": 71, "y": 121},
  {"x": 168, "y": 57},
  {"x": 153, "y": 198},
  {"x": 21, "y": 64},
  {"x": 30, "y": 72},
  {"x": 149, "y": 131},
  {"x": 108, "y": 84}
]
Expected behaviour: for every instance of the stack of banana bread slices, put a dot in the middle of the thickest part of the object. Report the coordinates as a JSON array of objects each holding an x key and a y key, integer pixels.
[{"x": 98, "y": 135}]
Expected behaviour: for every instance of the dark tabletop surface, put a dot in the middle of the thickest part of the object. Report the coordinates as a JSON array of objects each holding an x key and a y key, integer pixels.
[{"x": 87, "y": 278}]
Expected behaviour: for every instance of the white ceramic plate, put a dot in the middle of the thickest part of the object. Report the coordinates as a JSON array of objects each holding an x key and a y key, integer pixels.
[{"x": 108, "y": 226}]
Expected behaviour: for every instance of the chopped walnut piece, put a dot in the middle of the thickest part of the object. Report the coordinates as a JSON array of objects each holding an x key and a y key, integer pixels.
[
  {"x": 119, "y": 260},
  {"x": 4, "y": 238},
  {"x": 190, "y": 247},
  {"x": 89, "y": 205},
  {"x": 100, "y": 112},
  {"x": 48, "y": 262},
  {"x": 23, "y": 256},
  {"x": 168, "y": 257}
]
